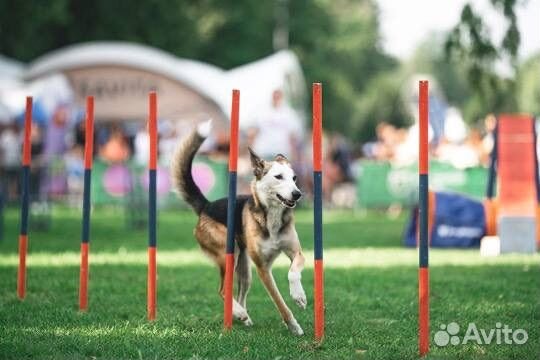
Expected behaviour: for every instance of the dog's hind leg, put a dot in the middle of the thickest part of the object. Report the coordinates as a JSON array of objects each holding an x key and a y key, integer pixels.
[
  {"x": 239, "y": 312},
  {"x": 243, "y": 277},
  {"x": 273, "y": 291},
  {"x": 212, "y": 241}
]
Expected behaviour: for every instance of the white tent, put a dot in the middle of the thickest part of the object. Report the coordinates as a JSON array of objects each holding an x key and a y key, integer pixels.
[
  {"x": 10, "y": 78},
  {"x": 119, "y": 75},
  {"x": 257, "y": 80}
]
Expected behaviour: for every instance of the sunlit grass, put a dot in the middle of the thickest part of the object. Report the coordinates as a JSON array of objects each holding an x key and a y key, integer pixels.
[
  {"x": 333, "y": 258},
  {"x": 370, "y": 295}
]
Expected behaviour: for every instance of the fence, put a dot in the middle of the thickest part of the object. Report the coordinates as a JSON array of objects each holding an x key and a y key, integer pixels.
[{"x": 380, "y": 184}]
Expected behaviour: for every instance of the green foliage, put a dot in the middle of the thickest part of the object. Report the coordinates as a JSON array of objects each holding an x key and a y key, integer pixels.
[
  {"x": 381, "y": 101},
  {"x": 430, "y": 58},
  {"x": 469, "y": 42},
  {"x": 338, "y": 42},
  {"x": 528, "y": 85}
]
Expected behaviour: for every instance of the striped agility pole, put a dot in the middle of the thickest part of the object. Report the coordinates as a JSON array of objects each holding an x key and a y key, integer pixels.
[
  {"x": 85, "y": 235},
  {"x": 317, "y": 213},
  {"x": 231, "y": 206},
  {"x": 152, "y": 238},
  {"x": 536, "y": 173},
  {"x": 423, "y": 271},
  {"x": 25, "y": 189}
]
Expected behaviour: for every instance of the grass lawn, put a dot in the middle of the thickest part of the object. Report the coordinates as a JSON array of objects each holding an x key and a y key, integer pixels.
[{"x": 370, "y": 289}]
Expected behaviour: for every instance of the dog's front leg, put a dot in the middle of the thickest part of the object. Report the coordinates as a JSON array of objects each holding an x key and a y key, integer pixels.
[
  {"x": 295, "y": 275},
  {"x": 268, "y": 281}
]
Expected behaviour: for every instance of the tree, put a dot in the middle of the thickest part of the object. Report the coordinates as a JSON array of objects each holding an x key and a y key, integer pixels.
[
  {"x": 430, "y": 57},
  {"x": 470, "y": 42},
  {"x": 381, "y": 101},
  {"x": 338, "y": 42},
  {"x": 528, "y": 85}
]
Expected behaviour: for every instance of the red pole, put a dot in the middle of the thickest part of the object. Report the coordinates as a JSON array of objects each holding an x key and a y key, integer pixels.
[
  {"x": 85, "y": 238},
  {"x": 152, "y": 209},
  {"x": 23, "y": 234},
  {"x": 423, "y": 271},
  {"x": 231, "y": 205},
  {"x": 317, "y": 213}
]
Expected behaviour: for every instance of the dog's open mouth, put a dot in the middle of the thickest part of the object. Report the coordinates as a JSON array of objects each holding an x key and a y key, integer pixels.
[{"x": 287, "y": 203}]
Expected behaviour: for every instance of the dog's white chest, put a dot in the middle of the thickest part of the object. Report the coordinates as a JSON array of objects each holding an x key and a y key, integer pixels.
[
  {"x": 270, "y": 248},
  {"x": 272, "y": 245},
  {"x": 274, "y": 221}
]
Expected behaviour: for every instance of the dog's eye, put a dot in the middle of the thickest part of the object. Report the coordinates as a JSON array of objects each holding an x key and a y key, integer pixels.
[
  {"x": 294, "y": 178},
  {"x": 279, "y": 177}
]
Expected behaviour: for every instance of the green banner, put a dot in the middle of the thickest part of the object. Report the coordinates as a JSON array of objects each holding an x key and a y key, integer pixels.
[
  {"x": 116, "y": 184},
  {"x": 380, "y": 184}
]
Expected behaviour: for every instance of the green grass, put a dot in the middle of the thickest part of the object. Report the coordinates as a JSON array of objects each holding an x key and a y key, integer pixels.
[{"x": 370, "y": 290}]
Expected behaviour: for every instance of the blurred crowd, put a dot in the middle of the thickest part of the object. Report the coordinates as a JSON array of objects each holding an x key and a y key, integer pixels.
[
  {"x": 399, "y": 146},
  {"x": 58, "y": 148}
]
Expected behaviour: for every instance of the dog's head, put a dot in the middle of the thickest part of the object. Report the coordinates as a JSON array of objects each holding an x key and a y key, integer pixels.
[{"x": 275, "y": 181}]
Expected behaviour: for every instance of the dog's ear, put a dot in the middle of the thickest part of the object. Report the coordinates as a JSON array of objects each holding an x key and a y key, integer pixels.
[
  {"x": 281, "y": 158},
  {"x": 257, "y": 164}
]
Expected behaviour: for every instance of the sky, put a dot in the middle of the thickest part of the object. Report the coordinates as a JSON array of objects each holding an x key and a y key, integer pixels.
[{"x": 406, "y": 23}]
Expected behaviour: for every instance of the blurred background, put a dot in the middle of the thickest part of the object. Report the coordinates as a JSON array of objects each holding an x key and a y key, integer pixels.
[{"x": 482, "y": 58}]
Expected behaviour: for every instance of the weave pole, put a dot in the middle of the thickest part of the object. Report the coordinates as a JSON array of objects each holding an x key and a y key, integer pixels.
[
  {"x": 423, "y": 270},
  {"x": 85, "y": 233},
  {"x": 231, "y": 206},
  {"x": 317, "y": 213},
  {"x": 25, "y": 197},
  {"x": 152, "y": 216}
]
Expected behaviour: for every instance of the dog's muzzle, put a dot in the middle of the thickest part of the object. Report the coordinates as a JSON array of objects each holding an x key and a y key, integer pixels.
[
  {"x": 290, "y": 203},
  {"x": 286, "y": 202}
]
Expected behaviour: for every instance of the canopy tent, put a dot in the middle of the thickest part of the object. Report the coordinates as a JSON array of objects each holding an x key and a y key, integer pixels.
[
  {"x": 119, "y": 76},
  {"x": 257, "y": 81},
  {"x": 10, "y": 74}
]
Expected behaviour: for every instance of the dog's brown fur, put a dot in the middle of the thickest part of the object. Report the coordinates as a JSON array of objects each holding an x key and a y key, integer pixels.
[{"x": 264, "y": 228}]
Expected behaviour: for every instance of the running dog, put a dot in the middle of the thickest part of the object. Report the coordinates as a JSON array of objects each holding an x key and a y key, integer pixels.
[{"x": 264, "y": 225}]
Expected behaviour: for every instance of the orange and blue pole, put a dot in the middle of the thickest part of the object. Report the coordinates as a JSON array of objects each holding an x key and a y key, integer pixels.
[
  {"x": 152, "y": 208},
  {"x": 317, "y": 213},
  {"x": 25, "y": 197},
  {"x": 85, "y": 235},
  {"x": 231, "y": 206},
  {"x": 423, "y": 271}
]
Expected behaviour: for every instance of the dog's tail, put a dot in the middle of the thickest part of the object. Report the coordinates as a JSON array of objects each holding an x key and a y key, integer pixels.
[{"x": 181, "y": 167}]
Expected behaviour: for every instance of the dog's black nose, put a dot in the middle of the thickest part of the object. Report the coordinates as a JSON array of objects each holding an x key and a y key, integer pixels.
[{"x": 296, "y": 195}]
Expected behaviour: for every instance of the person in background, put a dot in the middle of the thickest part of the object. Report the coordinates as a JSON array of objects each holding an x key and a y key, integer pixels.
[
  {"x": 55, "y": 146},
  {"x": 56, "y": 133},
  {"x": 340, "y": 155},
  {"x": 278, "y": 130},
  {"x": 37, "y": 168},
  {"x": 116, "y": 148},
  {"x": 168, "y": 141},
  {"x": 74, "y": 160},
  {"x": 490, "y": 123},
  {"x": 142, "y": 146},
  {"x": 383, "y": 148},
  {"x": 10, "y": 160}
]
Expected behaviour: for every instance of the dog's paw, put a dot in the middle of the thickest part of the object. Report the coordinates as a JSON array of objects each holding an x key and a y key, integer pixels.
[
  {"x": 204, "y": 128},
  {"x": 299, "y": 298},
  {"x": 239, "y": 312},
  {"x": 296, "y": 290},
  {"x": 294, "y": 327}
]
